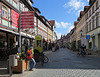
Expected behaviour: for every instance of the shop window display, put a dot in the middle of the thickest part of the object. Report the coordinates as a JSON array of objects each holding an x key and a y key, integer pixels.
[{"x": 3, "y": 42}]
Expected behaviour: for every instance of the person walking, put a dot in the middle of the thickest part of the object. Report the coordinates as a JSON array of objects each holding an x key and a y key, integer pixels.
[
  {"x": 32, "y": 62},
  {"x": 83, "y": 48}
]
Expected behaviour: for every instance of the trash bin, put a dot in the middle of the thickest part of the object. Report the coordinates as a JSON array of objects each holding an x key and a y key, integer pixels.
[{"x": 12, "y": 62}]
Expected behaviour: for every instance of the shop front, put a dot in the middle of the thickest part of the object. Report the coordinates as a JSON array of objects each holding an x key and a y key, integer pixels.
[
  {"x": 94, "y": 42},
  {"x": 8, "y": 43}
]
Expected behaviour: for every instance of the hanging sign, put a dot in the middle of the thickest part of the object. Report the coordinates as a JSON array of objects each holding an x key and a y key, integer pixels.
[{"x": 27, "y": 19}]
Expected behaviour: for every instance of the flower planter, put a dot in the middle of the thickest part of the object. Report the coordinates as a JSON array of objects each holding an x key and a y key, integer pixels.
[{"x": 22, "y": 66}]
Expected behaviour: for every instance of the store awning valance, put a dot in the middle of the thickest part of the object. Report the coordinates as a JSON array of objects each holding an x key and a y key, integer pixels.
[{"x": 9, "y": 31}]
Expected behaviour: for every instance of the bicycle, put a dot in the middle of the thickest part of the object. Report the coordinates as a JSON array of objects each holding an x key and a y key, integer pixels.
[
  {"x": 43, "y": 59},
  {"x": 82, "y": 52}
]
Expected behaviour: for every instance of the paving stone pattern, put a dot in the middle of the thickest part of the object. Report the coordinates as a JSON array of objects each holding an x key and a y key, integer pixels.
[{"x": 65, "y": 63}]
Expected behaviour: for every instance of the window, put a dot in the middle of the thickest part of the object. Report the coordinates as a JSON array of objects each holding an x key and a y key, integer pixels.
[
  {"x": 90, "y": 13},
  {"x": 86, "y": 28},
  {"x": 21, "y": 6},
  {"x": 97, "y": 21},
  {"x": 93, "y": 9},
  {"x": 90, "y": 25},
  {"x": 5, "y": 11},
  {"x": 93, "y": 23},
  {"x": 97, "y": 5},
  {"x": 87, "y": 16}
]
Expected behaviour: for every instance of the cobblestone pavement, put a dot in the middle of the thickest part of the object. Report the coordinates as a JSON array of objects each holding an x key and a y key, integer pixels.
[{"x": 65, "y": 63}]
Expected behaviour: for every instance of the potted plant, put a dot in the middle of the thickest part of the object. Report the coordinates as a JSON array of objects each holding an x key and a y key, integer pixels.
[{"x": 22, "y": 65}]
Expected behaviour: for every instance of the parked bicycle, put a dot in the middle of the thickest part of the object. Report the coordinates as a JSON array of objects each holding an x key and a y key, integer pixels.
[
  {"x": 82, "y": 52},
  {"x": 43, "y": 59}
]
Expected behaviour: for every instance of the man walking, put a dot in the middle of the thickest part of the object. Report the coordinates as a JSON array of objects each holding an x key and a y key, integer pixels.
[{"x": 32, "y": 61}]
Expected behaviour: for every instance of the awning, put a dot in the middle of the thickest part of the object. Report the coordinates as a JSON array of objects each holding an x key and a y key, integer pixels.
[
  {"x": 6, "y": 30},
  {"x": 27, "y": 37}
]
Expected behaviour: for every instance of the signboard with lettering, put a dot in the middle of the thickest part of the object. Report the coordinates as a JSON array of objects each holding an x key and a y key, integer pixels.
[
  {"x": 27, "y": 19},
  {"x": 87, "y": 36},
  {"x": 14, "y": 18}
]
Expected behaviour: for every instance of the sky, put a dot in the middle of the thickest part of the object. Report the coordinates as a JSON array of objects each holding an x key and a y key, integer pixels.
[{"x": 64, "y": 12}]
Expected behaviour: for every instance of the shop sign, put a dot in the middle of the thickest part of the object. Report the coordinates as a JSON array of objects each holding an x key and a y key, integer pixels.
[
  {"x": 15, "y": 18},
  {"x": 27, "y": 19},
  {"x": 87, "y": 36}
]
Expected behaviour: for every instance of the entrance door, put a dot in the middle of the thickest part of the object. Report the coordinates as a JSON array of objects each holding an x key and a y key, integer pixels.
[
  {"x": 79, "y": 43},
  {"x": 11, "y": 42},
  {"x": 93, "y": 41}
]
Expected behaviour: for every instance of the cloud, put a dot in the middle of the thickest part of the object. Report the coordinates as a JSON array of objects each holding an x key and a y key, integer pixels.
[
  {"x": 88, "y": 0},
  {"x": 75, "y": 5},
  {"x": 57, "y": 24},
  {"x": 78, "y": 13},
  {"x": 69, "y": 29},
  {"x": 59, "y": 35},
  {"x": 62, "y": 24}
]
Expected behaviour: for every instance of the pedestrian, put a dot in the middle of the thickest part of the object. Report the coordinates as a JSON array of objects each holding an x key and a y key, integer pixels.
[
  {"x": 83, "y": 47},
  {"x": 32, "y": 62},
  {"x": 23, "y": 48}
]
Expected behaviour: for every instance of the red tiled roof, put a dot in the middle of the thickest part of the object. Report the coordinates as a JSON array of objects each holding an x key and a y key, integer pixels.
[
  {"x": 86, "y": 7},
  {"x": 52, "y": 22},
  {"x": 75, "y": 23},
  {"x": 82, "y": 12},
  {"x": 78, "y": 18}
]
